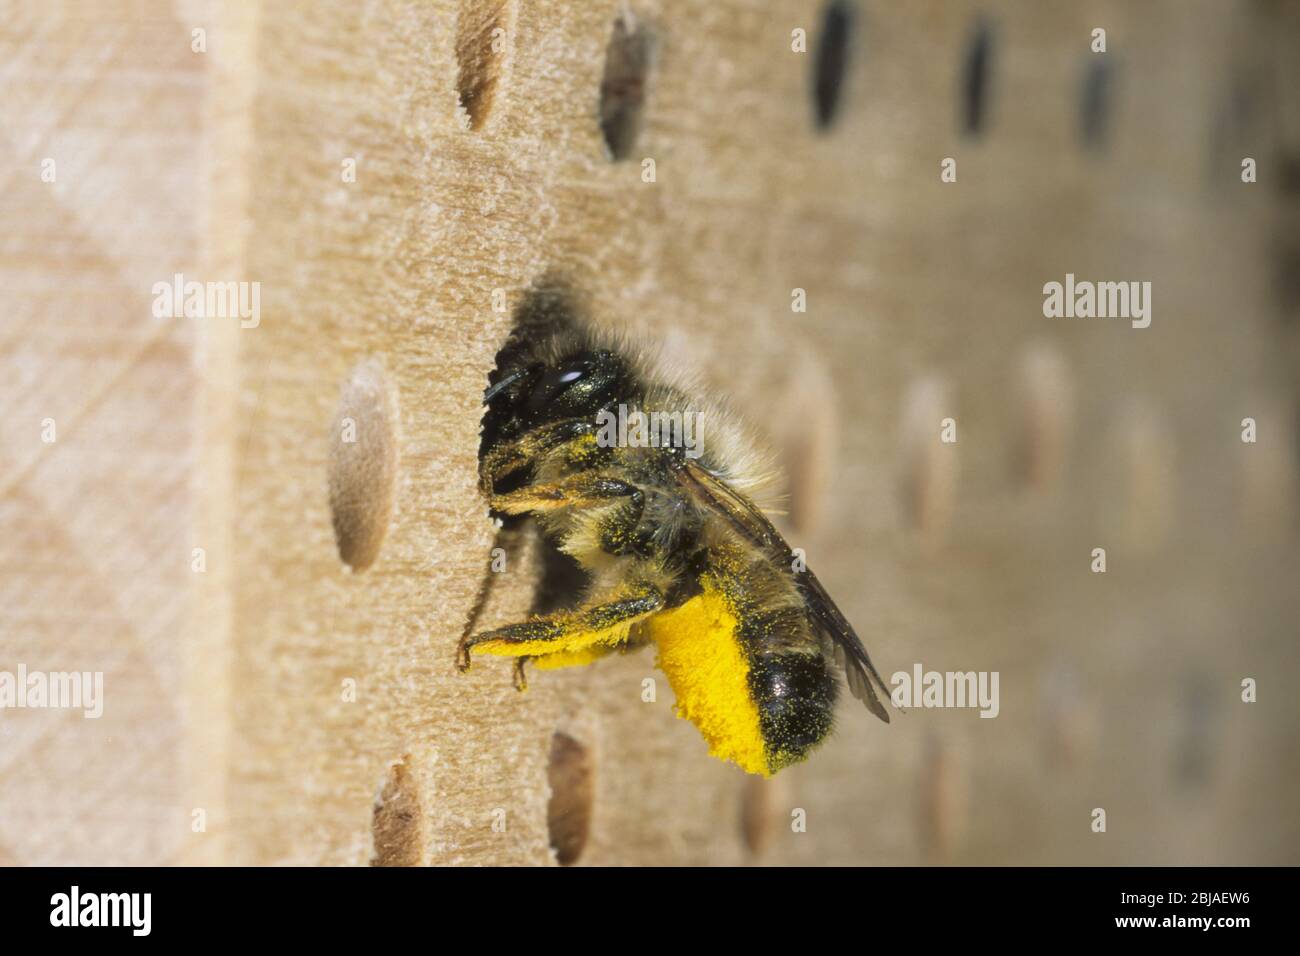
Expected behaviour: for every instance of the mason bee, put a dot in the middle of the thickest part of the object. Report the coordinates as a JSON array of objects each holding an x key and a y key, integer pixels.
[{"x": 674, "y": 550}]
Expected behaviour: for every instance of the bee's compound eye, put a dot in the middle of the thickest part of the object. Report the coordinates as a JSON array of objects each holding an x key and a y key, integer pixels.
[{"x": 555, "y": 381}]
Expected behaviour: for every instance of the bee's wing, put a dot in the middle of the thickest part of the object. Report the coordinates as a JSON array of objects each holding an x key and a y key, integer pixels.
[
  {"x": 859, "y": 672},
  {"x": 716, "y": 495}
]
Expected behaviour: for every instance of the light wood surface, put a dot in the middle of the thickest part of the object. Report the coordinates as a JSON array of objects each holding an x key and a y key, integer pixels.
[{"x": 313, "y": 712}]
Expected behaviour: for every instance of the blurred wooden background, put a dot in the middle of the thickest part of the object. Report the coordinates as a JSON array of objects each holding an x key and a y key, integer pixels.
[{"x": 381, "y": 168}]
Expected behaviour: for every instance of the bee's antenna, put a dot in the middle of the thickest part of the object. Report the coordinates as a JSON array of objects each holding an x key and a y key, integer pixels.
[{"x": 494, "y": 389}]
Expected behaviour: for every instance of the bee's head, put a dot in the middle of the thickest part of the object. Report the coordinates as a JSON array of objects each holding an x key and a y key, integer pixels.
[{"x": 527, "y": 393}]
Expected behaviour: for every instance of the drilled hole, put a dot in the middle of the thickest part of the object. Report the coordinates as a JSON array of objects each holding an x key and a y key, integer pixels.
[
  {"x": 806, "y": 429},
  {"x": 398, "y": 824},
  {"x": 1269, "y": 480},
  {"x": 1094, "y": 103},
  {"x": 623, "y": 87},
  {"x": 1288, "y": 171},
  {"x": 1046, "y": 398},
  {"x": 1147, "y": 457},
  {"x": 362, "y": 465},
  {"x": 1068, "y": 722},
  {"x": 975, "y": 80},
  {"x": 831, "y": 61},
  {"x": 1286, "y": 276},
  {"x": 482, "y": 41},
  {"x": 568, "y": 814},
  {"x": 760, "y": 803},
  {"x": 941, "y": 803},
  {"x": 928, "y": 457}
]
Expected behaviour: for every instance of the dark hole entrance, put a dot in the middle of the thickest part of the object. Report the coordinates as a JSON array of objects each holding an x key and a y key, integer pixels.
[
  {"x": 622, "y": 89},
  {"x": 568, "y": 814},
  {"x": 975, "y": 80},
  {"x": 1094, "y": 104},
  {"x": 831, "y": 61}
]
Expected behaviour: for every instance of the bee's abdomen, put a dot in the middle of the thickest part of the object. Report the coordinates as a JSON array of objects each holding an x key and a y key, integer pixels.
[
  {"x": 790, "y": 684},
  {"x": 794, "y": 693}
]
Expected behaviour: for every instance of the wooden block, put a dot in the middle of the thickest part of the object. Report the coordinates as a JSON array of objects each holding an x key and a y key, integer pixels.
[{"x": 400, "y": 177}]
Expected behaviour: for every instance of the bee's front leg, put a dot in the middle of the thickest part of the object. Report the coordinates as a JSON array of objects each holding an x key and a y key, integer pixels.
[
  {"x": 509, "y": 458},
  {"x": 581, "y": 490}
]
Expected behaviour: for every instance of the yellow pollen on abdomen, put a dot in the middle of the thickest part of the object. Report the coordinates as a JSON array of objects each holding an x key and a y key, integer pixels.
[{"x": 700, "y": 652}]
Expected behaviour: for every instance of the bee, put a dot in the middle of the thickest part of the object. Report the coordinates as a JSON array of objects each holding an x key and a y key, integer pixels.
[{"x": 675, "y": 551}]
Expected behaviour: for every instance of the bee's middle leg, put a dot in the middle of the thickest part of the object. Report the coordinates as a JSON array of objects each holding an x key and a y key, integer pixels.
[
  {"x": 567, "y": 631},
  {"x": 580, "y": 658}
]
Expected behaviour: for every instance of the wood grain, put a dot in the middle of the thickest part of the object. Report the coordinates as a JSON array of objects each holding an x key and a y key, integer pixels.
[{"x": 313, "y": 712}]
